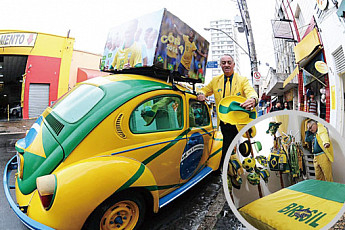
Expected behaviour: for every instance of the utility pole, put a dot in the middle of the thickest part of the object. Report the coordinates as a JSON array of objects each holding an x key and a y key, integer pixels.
[{"x": 242, "y": 5}]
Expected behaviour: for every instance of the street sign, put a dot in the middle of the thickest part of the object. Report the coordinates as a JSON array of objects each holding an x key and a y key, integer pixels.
[
  {"x": 212, "y": 64},
  {"x": 256, "y": 78},
  {"x": 257, "y": 75}
]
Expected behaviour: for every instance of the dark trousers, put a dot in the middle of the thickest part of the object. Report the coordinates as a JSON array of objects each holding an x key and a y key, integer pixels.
[{"x": 229, "y": 133}]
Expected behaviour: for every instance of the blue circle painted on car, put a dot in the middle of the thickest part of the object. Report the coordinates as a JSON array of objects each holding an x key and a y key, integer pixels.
[{"x": 191, "y": 155}]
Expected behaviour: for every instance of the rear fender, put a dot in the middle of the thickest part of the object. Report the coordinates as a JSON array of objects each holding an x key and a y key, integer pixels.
[
  {"x": 84, "y": 185},
  {"x": 216, "y": 151}
]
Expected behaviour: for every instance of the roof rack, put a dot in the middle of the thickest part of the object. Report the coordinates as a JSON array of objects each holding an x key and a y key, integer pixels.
[{"x": 156, "y": 72}]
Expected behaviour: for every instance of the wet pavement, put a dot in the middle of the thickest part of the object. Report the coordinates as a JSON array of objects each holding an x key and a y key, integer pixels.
[{"x": 202, "y": 207}]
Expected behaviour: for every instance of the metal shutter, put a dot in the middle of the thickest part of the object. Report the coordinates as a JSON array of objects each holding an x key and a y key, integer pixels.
[
  {"x": 38, "y": 99},
  {"x": 339, "y": 59}
]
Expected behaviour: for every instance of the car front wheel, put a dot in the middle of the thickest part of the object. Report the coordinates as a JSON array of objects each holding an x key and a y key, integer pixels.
[{"x": 122, "y": 211}]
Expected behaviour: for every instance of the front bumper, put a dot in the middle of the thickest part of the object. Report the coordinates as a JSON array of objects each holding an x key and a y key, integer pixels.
[{"x": 30, "y": 223}]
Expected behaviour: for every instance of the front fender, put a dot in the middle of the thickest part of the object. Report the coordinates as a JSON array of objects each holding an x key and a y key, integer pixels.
[{"x": 82, "y": 186}]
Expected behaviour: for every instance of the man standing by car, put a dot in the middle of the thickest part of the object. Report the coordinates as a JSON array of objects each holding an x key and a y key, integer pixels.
[
  {"x": 229, "y": 84},
  {"x": 322, "y": 150}
]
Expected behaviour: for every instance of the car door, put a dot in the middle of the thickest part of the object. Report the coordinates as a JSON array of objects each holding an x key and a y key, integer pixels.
[
  {"x": 157, "y": 135},
  {"x": 199, "y": 138}
]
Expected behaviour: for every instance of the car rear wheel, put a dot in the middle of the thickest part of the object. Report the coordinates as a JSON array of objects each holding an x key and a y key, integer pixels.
[{"x": 122, "y": 211}]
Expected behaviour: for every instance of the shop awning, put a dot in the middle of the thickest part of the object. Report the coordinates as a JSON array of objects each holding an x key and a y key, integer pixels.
[
  {"x": 291, "y": 76},
  {"x": 84, "y": 74},
  {"x": 341, "y": 9},
  {"x": 307, "y": 46}
]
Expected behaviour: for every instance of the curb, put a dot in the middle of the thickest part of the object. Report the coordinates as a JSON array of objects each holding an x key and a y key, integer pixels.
[{"x": 214, "y": 210}]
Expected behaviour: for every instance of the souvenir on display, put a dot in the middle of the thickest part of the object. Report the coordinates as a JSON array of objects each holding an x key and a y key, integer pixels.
[
  {"x": 245, "y": 148},
  {"x": 262, "y": 160},
  {"x": 248, "y": 164},
  {"x": 253, "y": 178},
  {"x": 273, "y": 128},
  {"x": 258, "y": 146}
]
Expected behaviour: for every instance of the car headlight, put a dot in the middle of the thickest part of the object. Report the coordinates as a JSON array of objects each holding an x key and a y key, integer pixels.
[{"x": 46, "y": 187}]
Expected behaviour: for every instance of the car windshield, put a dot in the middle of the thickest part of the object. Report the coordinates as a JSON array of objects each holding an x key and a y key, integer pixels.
[{"x": 78, "y": 103}]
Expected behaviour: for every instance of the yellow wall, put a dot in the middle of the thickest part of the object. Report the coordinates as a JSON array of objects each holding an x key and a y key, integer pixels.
[
  {"x": 81, "y": 59},
  {"x": 50, "y": 46},
  {"x": 46, "y": 45},
  {"x": 66, "y": 58}
]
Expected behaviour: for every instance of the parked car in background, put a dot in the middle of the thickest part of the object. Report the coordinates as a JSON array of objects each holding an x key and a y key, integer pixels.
[
  {"x": 110, "y": 151},
  {"x": 16, "y": 110}
]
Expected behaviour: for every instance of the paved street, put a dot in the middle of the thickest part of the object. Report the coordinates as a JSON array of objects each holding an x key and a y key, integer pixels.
[
  {"x": 203, "y": 207},
  {"x": 199, "y": 208},
  {"x": 8, "y": 219}
]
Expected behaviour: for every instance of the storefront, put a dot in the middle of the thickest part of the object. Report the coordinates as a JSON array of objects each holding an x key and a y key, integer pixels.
[
  {"x": 34, "y": 71},
  {"x": 309, "y": 53}
]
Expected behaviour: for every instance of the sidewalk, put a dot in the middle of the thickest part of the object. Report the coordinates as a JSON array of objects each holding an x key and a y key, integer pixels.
[
  {"x": 15, "y": 126},
  {"x": 11, "y": 131}
]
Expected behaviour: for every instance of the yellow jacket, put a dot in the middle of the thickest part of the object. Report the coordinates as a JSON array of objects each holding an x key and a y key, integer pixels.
[
  {"x": 240, "y": 87},
  {"x": 323, "y": 138}
]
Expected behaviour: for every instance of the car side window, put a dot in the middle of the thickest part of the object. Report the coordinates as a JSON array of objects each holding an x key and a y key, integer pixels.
[
  {"x": 198, "y": 114},
  {"x": 162, "y": 113}
]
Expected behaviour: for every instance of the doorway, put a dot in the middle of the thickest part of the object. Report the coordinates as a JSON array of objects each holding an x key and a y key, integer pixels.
[{"x": 12, "y": 69}]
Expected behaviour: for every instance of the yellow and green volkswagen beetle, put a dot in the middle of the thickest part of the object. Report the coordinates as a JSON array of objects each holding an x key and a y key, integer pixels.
[{"x": 108, "y": 152}]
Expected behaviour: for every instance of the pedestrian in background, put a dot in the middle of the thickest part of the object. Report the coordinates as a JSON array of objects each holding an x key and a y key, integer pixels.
[
  {"x": 312, "y": 103},
  {"x": 276, "y": 107},
  {"x": 286, "y": 106}
]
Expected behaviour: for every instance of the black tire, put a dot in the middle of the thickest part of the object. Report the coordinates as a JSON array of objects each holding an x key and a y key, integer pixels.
[{"x": 115, "y": 212}]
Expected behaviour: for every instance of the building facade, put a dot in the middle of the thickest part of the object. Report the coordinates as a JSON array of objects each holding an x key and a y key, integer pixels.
[
  {"x": 312, "y": 62},
  {"x": 322, "y": 31},
  {"x": 283, "y": 43},
  {"x": 36, "y": 69},
  {"x": 222, "y": 44}
]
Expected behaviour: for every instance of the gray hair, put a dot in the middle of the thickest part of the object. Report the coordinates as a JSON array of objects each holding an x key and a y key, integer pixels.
[
  {"x": 229, "y": 55},
  {"x": 311, "y": 121}
]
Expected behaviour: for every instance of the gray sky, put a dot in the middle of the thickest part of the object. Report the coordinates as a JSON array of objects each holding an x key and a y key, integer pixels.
[{"x": 90, "y": 20}]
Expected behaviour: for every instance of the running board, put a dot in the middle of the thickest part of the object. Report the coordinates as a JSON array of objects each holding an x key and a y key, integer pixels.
[{"x": 176, "y": 193}]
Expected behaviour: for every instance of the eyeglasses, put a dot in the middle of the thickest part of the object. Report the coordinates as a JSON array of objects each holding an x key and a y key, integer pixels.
[{"x": 224, "y": 62}]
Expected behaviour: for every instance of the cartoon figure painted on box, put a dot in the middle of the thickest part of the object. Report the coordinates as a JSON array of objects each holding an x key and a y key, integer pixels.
[
  {"x": 129, "y": 54},
  {"x": 133, "y": 43},
  {"x": 189, "y": 51},
  {"x": 150, "y": 39},
  {"x": 159, "y": 39},
  {"x": 112, "y": 45},
  {"x": 178, "y": 48}
]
